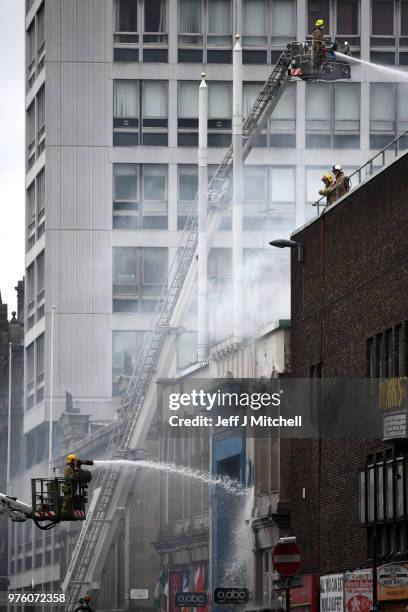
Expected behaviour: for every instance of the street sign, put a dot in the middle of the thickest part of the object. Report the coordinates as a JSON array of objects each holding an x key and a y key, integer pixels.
[
  {"x": 287, "y": 558},
  {"x": 191, "y": 600},
  {"x": 139, "y": 594}
]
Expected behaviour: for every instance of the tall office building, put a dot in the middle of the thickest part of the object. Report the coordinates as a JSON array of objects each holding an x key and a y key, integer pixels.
[{"x": 111, "y": 153}]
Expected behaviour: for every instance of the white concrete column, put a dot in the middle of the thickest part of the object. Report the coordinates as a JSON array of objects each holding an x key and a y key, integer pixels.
[
  {"x": 202, "y": 284},
  {"x": 237, "y": 192}
]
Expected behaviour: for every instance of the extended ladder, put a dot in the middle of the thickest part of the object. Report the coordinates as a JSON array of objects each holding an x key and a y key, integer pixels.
[{"x": 134, "y": 410}]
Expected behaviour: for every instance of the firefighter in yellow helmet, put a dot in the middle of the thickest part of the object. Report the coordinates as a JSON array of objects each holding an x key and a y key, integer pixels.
[
  {"x": 317, "y": 36},
  {"x": 71, "y": 474},
  {"x": 329, "y": 188}
]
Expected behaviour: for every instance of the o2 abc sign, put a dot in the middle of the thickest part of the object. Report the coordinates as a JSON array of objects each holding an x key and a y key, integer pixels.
[
  {"x": 193, "y": 600},
  {"x": 231, "y": 595}
]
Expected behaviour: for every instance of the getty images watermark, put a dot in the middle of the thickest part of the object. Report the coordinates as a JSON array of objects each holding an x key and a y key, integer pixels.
[{"x": 241, "y": 401}]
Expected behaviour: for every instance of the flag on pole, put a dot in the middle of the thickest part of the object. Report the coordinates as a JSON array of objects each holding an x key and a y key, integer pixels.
[{"x": 159, "y": 589}]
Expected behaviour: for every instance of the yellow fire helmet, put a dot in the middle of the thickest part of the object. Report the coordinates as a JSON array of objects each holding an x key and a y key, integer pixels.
[
  {"x": 71, "y": 457},
  {"x": 319, "y": 23},
  {"x": 327, "y": 177}
]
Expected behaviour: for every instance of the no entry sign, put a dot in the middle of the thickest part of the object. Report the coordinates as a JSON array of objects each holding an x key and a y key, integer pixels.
[{"x": 287, "y": 559}]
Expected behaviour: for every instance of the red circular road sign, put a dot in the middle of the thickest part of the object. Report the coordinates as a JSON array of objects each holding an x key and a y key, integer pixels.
[{"x": 287, "y": 559}]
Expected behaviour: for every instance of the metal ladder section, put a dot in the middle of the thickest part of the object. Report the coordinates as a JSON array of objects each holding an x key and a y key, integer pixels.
[{"x": 143, "y": 373}]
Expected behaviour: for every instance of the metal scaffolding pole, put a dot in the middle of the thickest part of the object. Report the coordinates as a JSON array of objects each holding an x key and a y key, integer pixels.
[
  {"x": 237, "y": 193},
  {"x": 202, "y": 283}
]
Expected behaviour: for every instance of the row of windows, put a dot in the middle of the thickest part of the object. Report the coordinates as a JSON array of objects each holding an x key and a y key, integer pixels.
[
  {"x": 332, "y": 114},
  {"x": 205, "y": 28},
  {"x": 35, "y": 128},
  {"x": 35, "y": 372},
  {"x": 35, "y": 291},
  {"x": 140, "y": 195},
  {"x": 35, "y": 46},
  {"x": 35, "y": 209}
]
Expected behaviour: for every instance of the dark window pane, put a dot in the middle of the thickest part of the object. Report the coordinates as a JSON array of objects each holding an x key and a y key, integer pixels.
[
  {"x": 318, "y": 9},
  {"x": 155, "y": 56},
  {"x": 219, "y": 57},
  {"x": 125, "y": 55},
  {"x": 383, "y": 17},
  {"x": 404, "y": 18},
  {"x": 187, "y": 140},
  {"x": 347, "y": 17},
  {"x": 154, "y": 140},
  {"x": 155, "y": 15},
  {"x": 125, "y": 139},
  {"x": 126, "y": 15},
  {"x": 190, "y": 56},
  {"x": 253, "y": 57}
]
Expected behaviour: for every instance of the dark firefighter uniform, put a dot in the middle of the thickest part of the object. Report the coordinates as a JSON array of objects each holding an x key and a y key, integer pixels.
[
  {"x": 317, "y": 36},
  {"x": 71, "y": 473}
]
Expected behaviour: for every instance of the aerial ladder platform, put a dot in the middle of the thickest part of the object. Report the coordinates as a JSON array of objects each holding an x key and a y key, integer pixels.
[{"x": 137, "y": 407}]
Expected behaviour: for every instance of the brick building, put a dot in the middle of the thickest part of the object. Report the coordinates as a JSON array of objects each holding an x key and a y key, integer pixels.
[{"x": 349, "y": 319}]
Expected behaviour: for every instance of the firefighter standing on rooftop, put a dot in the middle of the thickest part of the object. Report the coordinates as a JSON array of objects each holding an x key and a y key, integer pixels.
[
  {"x": 317, "y": 36},
  {"x": 342, "y": 182},
  {"x": 329, "y": 188}
]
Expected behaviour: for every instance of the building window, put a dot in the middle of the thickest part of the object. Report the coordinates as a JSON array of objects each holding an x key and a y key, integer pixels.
[
  {"x": 30, "y": 215},
  {"x": 347, "y": 18},
  {"x": 281, "y": 128},
  {"x": 30, "y": 297},
  {"x": 205, "y": 31},
  {"x": 140, "y": 31},
  {"x": 140, "y": 196},
  {"x": 341, "y": 17},
  {"x": 30, "y": 120},
  {"x": 382, "y": 17},
  {"x": 41, "y": 38},
  {"x": 138, "y": 278},
  {"x": 126, "y": 346},
  {"x": 269, "y": 198},
  {"x": 39, "y": 366},
  {"x": 388, "y": 113},
  {"x": 268, "y": 26},
  {"x": 219, "y": 113},
  {"x": 30, "y": 54},
  {"x": 187, "y": 192},
  {"x": 40, "y": 275},
  {"x": 30, "y": 382},
  {"x": 35, "y": 46},
  {"x": 140, "y": 113},
  {"x": 387, "y": 353},
  {"x": 40, "y": 181},
  {"x": 41, "y": 121},
  {"x": 333, "y": 115}
]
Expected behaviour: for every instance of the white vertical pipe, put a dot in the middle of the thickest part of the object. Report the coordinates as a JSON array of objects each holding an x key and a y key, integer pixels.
[
  {"x": 202, "y": 289},
  {"x": 8, "y": 485},
  {"x": 237, "y": 192},
  {"x": 51, "y": 413}
]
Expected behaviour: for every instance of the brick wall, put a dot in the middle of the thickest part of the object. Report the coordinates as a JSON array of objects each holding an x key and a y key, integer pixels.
[{"x": 355, "y": 285}]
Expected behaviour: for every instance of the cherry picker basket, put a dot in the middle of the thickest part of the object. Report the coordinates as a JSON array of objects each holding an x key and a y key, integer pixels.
[{"x": 58, "y": 499}]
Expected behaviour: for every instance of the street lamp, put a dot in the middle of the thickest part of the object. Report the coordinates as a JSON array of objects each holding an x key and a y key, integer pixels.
[{"x": 283, "y": 244}]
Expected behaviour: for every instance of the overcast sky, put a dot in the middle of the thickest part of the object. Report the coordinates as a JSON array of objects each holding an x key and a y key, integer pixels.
[{"x": 11, "y": 148}]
